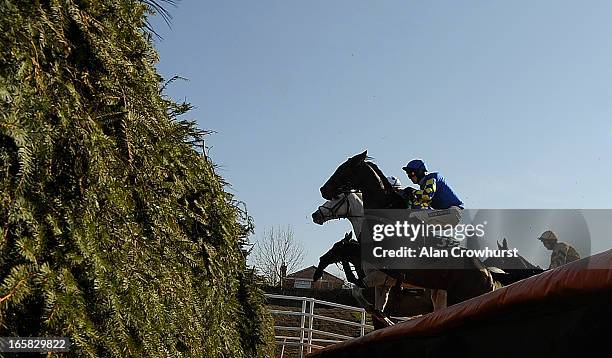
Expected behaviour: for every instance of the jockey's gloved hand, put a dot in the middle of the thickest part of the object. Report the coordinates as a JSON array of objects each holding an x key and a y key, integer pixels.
[{"x": 408, "y": 194}]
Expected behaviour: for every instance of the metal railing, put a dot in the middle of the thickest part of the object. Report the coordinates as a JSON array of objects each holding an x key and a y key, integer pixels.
[{"x": 306, "y": 331}]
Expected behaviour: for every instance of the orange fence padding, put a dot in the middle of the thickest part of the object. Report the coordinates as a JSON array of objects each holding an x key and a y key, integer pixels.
[{"x": 587, "y": 276}]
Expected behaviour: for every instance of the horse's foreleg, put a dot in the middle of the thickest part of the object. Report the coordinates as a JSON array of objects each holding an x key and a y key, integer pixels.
[
  {"x": 439, "y": 299},
  {"x": 381, "y": 294},
  {"x": 382, "y": 283}
]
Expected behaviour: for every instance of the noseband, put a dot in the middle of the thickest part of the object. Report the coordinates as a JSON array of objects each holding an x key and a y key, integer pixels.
[{"x": 334, "y": 209}]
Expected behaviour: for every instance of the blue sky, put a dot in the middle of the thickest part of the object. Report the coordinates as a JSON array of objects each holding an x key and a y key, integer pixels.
[{"x": 510, "y": 100}]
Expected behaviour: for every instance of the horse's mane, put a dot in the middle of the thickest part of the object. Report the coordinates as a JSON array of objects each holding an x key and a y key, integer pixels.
[{"x": 381, "y": 177}]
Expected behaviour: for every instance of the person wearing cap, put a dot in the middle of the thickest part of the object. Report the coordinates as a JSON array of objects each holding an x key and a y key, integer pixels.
[
  {"x": 435, "y": 201},
  {"x": 562, "y": 253}
]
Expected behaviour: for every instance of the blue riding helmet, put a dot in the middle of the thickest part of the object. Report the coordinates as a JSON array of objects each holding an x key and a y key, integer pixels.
[{"x": 415, "y": 164}]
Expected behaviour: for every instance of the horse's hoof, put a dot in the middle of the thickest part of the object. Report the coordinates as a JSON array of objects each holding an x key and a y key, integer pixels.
[{"x": 381, "y": 321}]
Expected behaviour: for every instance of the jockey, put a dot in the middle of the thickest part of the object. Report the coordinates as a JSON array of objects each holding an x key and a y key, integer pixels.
[
  {"x": 562, "y": 253},
  {"x": 435, "y": 199}
]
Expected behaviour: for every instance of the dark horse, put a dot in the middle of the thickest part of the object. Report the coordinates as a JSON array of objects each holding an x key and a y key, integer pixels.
[
  {"x": 461, "y": 284},
  {"x": 345, "y": 251},
  {"x": 348, "y": 251},
  {"x": 358, "y": 174}
]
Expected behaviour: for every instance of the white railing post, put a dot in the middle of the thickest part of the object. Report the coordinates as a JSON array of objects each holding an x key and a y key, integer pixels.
[
  {"x": 310, "y": 321},
  {"x": 310, "y": 341},
  {"x": 302, "y": 323}
]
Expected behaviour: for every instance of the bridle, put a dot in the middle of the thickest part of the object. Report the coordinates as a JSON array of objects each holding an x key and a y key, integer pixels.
[{"x": 333, "y": 211}]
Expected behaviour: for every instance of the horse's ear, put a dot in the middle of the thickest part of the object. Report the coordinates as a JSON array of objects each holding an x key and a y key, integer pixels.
[
  {"x": 357, "y": 158},
  {"x": 348, "y": 236},
  {"x": 505, "y": 244},
  {"x": 361, "y": 156}
]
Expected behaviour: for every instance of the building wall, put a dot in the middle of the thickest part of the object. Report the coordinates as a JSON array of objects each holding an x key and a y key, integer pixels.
[{"x": 290, "y": 283}]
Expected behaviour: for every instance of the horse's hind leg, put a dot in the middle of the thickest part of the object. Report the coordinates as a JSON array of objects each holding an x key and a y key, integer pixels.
[{"x": 439, "y": 299}]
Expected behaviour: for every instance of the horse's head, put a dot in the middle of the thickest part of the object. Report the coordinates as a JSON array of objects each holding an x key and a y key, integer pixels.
[
  {"x": 341, "y": 251},
  {"x": 503, "y": 246},
  {"x": 510, "y": 263},
  {"x": 344, "y": 205},
  {"x": 343, "y": 178}
]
